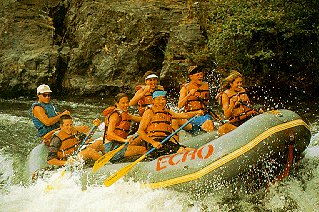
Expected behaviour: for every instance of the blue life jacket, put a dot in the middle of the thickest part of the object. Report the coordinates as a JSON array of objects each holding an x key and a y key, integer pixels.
[{"x": 50, "y": 111}]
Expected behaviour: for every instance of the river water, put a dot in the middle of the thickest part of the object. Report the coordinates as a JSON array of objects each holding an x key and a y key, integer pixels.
[{"x": 298, "y": 192}]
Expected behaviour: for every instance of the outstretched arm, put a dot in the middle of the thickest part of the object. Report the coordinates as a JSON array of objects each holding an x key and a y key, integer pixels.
[
  {"x": 138, "y": 95},
  {"x": 40, "y": 114},
  {"x": 135, "y": 118},
  {"x": 186, "y": 115}
]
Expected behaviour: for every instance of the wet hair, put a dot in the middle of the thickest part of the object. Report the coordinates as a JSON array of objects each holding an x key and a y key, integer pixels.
[
  {"x": 231, "y": 78},
  {"x": 148, "y": 73},
  {"x": 119, "y": 96},
  {"x": 196, "y": 69},
  {"x": 64, "y": 117}
]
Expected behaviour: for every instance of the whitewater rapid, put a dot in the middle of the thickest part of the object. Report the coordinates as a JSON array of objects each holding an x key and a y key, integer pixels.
[{"x": 298, "y": 192}]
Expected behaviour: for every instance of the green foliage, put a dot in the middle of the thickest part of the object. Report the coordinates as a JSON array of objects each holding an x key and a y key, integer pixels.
[{"x": 265, "y": 37}]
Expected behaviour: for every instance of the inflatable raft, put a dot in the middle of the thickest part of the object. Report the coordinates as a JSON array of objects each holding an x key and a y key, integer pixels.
[{"x": 261, "y": 139}]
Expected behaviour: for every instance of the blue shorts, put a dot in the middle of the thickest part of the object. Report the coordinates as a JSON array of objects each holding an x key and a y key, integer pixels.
[
  {"x": 198, "y": 122},
  {"x": 114, "y": 145}
]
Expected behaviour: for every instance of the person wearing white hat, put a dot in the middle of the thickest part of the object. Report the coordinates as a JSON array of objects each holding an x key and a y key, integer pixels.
[
  {"x": 143, "y": 95},
  {"x": 44, "y": 115}
]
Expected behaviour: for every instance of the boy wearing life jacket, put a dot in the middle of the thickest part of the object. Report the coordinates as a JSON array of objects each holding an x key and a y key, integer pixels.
[
  {"x": 67, "y": 140},
  {"x": 117, "y": 128},
  {"x": 235, "y": 103},
  {"x": 194, "y": 96},
  {"x": 156, "y": 125},
  {"x": 45, "y": 116},
  {"x": 143, "y": 95}
]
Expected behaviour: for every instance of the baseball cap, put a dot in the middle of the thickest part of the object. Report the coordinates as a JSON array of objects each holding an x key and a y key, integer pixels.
[
  {"x": 158, "y": 94},
  {"x": 43, "y": 89}
]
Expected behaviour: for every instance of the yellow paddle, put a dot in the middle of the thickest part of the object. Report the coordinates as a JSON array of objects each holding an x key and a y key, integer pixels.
[
  {"x": 50, "y": 187},
  {"x": 105, "y": 158},
  {"x": 113, "y": 178}
]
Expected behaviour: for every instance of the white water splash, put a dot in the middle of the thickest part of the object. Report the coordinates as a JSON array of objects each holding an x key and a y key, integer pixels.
[
  {"x": 292, "y": 194},
  {"x": 298, "y": 192},
  {"x": 69, "y": 196},
  {"x": 6, "y": 171}
]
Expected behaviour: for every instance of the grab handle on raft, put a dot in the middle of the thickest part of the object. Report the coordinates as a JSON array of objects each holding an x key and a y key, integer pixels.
[{"x": 116, "y": 176}]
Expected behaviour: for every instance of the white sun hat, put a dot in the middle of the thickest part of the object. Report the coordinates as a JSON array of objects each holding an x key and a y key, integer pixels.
[
  {"x": 43, "y": 89},
  {"x": 151, "y": 76}
]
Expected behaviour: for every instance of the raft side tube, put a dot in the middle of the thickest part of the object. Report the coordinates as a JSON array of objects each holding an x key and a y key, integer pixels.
[
  {"x": 37, "y": 159},
  {"x": 263, "y": 137}
]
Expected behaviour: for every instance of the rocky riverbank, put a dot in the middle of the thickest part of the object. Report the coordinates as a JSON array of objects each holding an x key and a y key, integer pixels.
[
  {"x": 87, "y": 47},
  {"x": 98, "y": 47}
]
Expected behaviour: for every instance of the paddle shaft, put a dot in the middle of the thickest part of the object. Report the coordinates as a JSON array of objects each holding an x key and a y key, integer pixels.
[
  {"x": 108, "y": 156},
  {"x": 88, "y": 136},
  {"x": 171, "y": 135},
  {"x": 248, "y": 105},
  {"x": 217, "y": 117}
]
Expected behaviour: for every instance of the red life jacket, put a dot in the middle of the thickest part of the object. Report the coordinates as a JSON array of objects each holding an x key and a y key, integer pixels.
[
  {"x": 242, "y": 111},
  {"x": 68, "y": 146},
  {"x": 160, "y": 124},
  {"x": 193, "y": 103},
  {"x": 122, "y": 128},
  {"x": 146, "y": 100}
]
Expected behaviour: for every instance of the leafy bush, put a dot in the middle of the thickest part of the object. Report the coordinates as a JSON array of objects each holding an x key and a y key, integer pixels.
[{"x": 273, "y": 39}]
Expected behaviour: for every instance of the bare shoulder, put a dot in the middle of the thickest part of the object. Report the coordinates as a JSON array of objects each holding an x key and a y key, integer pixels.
[
  {"x": 114, "y": 116},
  {"x": 183, "y": 89},
  {"x": 160, "y": 87},
  {"x": 226, "y": 93},
  {"x": 242, "y": 90},
  {"x": 38, "y": 110}
]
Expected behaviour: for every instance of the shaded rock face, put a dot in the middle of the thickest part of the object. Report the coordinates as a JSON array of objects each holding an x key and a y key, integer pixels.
[
  {"x": 91, "y": 48},
  {"x": 27, "y": 56}
]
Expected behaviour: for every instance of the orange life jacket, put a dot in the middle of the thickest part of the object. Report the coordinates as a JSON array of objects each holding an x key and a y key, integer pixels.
[
  {"x": 146, "y": 99},
  {"x": 122, "y": 128},
  {"x": 68, "y": 146},
  {"x": 160, "y": 124},
  {"x": 108, "y": 110},
  {"x": 242, "y": 111},
  {"x": 193, "y": 103}
]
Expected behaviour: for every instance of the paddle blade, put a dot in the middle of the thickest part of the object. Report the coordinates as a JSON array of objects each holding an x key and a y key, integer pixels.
[
  {"x": 105, "y": 158},
  {"x": 116, "y": 176},
  {"x": 51, "y": 186}
]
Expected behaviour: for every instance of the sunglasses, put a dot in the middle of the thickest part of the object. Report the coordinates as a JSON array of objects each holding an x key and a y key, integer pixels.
[{"x": 46, "y": 95}]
